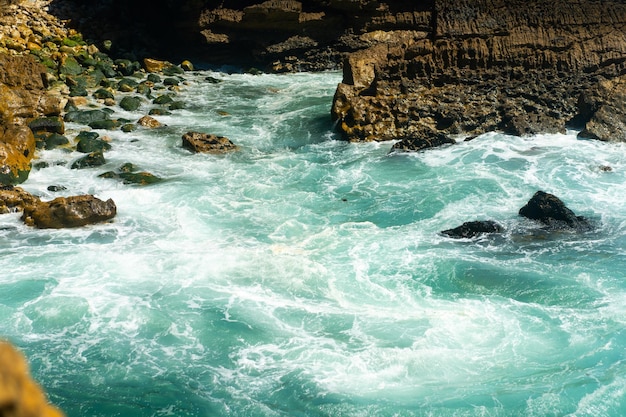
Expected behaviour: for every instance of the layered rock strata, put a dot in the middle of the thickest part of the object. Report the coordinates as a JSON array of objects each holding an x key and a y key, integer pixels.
[{"x": 482, "y": 65}]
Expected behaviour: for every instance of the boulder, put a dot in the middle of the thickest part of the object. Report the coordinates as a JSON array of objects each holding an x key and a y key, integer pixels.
[
  {"x": 14, "y": 199},
  {"x": 469, "y": 230},
  {"x": 90, "y": 142},
  {"x": 552, "y": 212},
  {"x": 603, "y": 111},
  {"x": 47, "y": 124},
  {"x": 130, "y": 103},
  {"x": 149, "y": 122},
  {"x": 130, "y": 174},
  {"x": 85, "y": 117},
  {"x": 17, "y": 148},
  {"x": 72, "y": 211},
  {"x": 207, "y": 143},
  {"x": 92, "y": 159},
  {"x": 20, "y": 395}
]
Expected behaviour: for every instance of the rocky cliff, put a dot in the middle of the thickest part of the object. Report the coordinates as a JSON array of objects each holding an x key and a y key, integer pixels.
[
  {"x": 412, "y": 69},
  {"x": 521, "y": 67}
]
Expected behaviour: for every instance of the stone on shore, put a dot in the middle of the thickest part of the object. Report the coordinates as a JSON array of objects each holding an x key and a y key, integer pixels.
[{"x": 75, "y": 211}]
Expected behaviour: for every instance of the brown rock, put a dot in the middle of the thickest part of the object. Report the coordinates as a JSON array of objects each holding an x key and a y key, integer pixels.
[
  {"x": 73, "y": 211},
  {"x": 605, "y": 107},
  {"x": 14, "y": 199},
  {"x": 17, "y": 148},
  {"x": 150, "y": 122},
  {"x": 20, "y": 395},
  {"x": 207, "y": 143}
]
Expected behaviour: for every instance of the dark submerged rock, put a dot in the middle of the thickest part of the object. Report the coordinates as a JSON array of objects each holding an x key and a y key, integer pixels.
[
  {"x": 473, "y": 229},
  {"x": 424, "y": 140},
  {"x": 90, "y": 142},
  {"x": 552, "y": 212},
  {"x": 92, "y": 159}
]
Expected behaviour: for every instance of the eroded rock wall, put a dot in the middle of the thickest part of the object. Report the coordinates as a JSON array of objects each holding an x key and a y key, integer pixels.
[{"x": 516, "y": 66}]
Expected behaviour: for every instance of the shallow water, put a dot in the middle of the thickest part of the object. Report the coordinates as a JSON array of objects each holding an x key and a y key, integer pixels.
[{"x": 306, "y": 276}]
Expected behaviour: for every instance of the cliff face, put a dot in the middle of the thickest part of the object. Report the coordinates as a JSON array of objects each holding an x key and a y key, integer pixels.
[{"x": 517, "y": 66}]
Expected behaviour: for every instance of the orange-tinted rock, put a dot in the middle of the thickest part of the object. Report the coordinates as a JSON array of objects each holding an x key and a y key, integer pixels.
[
  {"x": 72, "y": 211},
  {"x": 20, "y": 395},
  {"x": 207, "y": 143},
  {"x": 150, "y": 122},
  {"x": 14, "y": 199},
  {"x": 17, "y": 147}
]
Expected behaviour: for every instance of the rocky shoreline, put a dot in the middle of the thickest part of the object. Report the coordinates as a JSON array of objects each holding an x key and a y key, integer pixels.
[{"x": 421, "y": 75}]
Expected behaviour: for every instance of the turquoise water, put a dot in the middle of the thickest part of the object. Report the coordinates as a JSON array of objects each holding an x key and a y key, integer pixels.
[{"x": 306, "y": 276}]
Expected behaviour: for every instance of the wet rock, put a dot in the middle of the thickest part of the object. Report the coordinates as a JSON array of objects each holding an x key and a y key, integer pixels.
[
  {"x": 425, "y": 140},
  {"x": 92, "y": 159},
  {"x": 54, "y": 140},
  {"x": 105, "y": 124},
  {"x": 552, "y": 212},
  {"x": 149, "y": 122},
  {"x": 130, "y": 103},
  {"x": 171, "y": 81},
  {"x": 47, "y": 124},
  {"x": 88, "y": 142},
  {"x": 86, "y": 116},
  {"x": 17, "y": 148},
  {"x": 56, "y": 188},
  {"x": 473, "y": 229},
  {"x": 155, "y": 65},
  {"x": 103, "y": 93},
  {"x": 20, "y": 395},
  {"x": 126, "y": 85},
  {"x": 130, "y": 174},
  {"x": 163, "y": 99},
  {"x": 14, "y": 199},
  {"x": 207, "y": 143},
  {"x": 186, "y": 65},
  {"x": 605, "y": 108},
  {"x": 75, "y": 211}
]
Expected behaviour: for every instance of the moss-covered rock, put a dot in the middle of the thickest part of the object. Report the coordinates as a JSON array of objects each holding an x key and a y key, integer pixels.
[
  {"x": 129, "y": 174},
  {"x": 163, "y": 99},
  {"x": 105, "y": 124},
  {"x": 47, "y": 124},
  {"x": 130, "y": 103},
  {"x": 92, "y": 159},
  {"x": 88, "y": 142},
  {"x": 103, "y": 93},
  {"x": 70, "y": 66},
  {"x": 86, "y": 116}
]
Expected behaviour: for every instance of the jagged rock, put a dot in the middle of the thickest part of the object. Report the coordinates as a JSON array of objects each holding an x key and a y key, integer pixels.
[
  {"x": 14, "y": 199},
  {"x": 20, "y": 395},
  {"x": 207, "y": 143},
  {"x": 481, "y": 66},
  {"x": 92, "y": 159},
  {"x": 473, "y": 229},
  {"x": 425, "y": 140},
  {"x": 149, "y": 122},
  {"x": 72, "y": 211},
  {"x": 604, "y": 108},
  {"x": 17, "y": 147},
  {"x": 552, "y": 212}
]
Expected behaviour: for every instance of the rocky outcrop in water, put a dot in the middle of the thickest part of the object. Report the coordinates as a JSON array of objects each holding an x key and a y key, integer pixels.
[
  {"x": 549, "y": 210},
  {"x": 513, "y": 66},
  {"x": 469, "y": 230},
  {"x": 197, "y": 142},
  {"x": 72, "y": 211}
]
